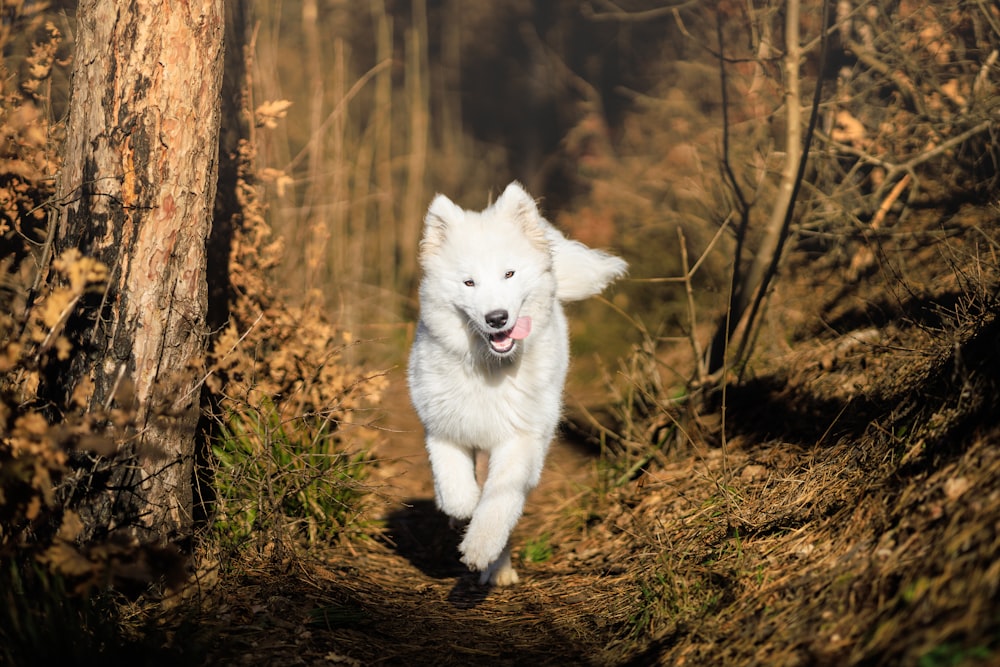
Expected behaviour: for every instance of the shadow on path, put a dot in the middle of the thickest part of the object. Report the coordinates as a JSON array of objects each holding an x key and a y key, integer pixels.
[{"x": 420, "y": 533}]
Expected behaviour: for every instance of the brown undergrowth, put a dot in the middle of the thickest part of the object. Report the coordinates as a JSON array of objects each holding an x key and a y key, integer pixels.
[{"x": 847, "y": 512}]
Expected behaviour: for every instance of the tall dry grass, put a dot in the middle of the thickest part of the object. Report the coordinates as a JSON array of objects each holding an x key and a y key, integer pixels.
[
  {"x": 374, "y": 130},
  {"x": 347, "y": 155}
]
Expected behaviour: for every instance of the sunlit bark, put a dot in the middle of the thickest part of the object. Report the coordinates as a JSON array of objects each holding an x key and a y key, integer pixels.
[{"x": 137, "y": 188}]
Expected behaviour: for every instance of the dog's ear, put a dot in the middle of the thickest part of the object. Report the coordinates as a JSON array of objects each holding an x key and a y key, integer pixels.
[
  {"x": 440, "y": 214},
  {"x": 516, "y": 204}
]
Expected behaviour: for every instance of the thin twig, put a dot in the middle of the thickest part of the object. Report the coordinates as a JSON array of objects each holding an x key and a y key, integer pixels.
[
  {"x": 337, "y": 111},
  {"x": 903, "y": 83},
  {"x": 692, "y": 316},
  {"x": 887, "y": 203},
  {"x": 916, "y": 161},
  {"x": 613, "y": 12},
  {"x": 984, "y": 72},
  {"x": 42, "y": 268},
  {"x": 207, "y": 375},
  {"x": 718, "y": 348},
  {"x": 57, "y": 327},
  {"x": 694, "y": 269}
]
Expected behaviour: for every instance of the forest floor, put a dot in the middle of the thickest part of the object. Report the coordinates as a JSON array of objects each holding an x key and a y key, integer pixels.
[{"x": 839, "y": 505}]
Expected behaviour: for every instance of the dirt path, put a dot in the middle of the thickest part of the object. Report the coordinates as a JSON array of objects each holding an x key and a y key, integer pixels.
[{"x": 404, "y": 597}]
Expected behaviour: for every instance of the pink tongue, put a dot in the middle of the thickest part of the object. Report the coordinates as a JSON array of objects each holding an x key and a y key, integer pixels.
[{"x": 521, "y": 328}]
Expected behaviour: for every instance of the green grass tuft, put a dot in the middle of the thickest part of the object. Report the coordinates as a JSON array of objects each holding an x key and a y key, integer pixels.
[{"x": 280, "y": 482}]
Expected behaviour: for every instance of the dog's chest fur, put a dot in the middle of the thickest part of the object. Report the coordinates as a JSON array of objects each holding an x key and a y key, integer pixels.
[{"x": 483, "y": 403}]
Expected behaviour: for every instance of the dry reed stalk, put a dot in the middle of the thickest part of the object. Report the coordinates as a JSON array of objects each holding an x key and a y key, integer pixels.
[
  {"x": 338, "y": 188},
  {"x": 452, "y": 144},
  {"x": 313, "y": 213},
  {"x": 273, "y": 145},
  {"x": 360, "y": 208},
  {"x": 418, "y": 102},
  {"x": 384, "y": 220},
  {"x": 696, "y": 351}
]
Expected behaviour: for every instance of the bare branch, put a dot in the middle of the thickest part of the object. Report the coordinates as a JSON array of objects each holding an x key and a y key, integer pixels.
[
  {"x": 984, "y": 73},
  {"x": 898, "y": 77},
  {"x": 613, "y": 12},
  {"x": 765, "y": 261},
  {"x": 912, "y": 163}
]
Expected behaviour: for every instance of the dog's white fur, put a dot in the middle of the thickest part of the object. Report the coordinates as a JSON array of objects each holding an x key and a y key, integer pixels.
[{"x": 484, "y": 274}]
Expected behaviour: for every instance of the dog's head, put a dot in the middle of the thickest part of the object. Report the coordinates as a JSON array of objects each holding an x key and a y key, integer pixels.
[{"x": 493, "y": 268}]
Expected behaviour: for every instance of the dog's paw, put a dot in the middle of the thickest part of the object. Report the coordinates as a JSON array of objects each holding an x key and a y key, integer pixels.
[
  {"x": 480, "y": 550},
  {"x": 499, "y": 575},
  {"x": 495, "y": 571},
  {"x": 476, "y": 558}
]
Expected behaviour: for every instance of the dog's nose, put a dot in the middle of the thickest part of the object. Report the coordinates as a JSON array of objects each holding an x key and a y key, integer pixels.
[{"x": 497, "y": 318}]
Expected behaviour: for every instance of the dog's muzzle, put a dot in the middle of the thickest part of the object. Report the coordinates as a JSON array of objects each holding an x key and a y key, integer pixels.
[{"x": 503, "y": 342}]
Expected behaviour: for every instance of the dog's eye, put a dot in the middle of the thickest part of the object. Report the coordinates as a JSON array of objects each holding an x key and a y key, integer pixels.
[
  {"x": 470, "y": 283},
  {"x": 509, "y": 274}
]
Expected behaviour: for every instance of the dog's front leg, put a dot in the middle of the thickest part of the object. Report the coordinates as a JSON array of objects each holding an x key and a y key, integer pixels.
[
  {"x": 513, "y": 472},
  {"x": 454, "y": 468}
]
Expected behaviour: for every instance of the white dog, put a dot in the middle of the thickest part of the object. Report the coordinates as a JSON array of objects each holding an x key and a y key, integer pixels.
[{"x": 489, "y": 359}]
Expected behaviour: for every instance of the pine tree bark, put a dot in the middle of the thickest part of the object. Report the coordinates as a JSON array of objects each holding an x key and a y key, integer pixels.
[{"x": 137, "y": 187}]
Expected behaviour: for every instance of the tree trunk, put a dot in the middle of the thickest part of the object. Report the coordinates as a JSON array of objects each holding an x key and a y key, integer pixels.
[{"x": 137, "y": 188}]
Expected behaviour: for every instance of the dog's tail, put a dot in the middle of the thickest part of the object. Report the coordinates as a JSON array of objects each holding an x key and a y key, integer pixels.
[{"x": 581, "y": 271}]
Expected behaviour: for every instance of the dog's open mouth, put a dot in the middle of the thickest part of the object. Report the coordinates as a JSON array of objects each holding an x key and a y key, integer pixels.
[{"x": 503, "y": 342}]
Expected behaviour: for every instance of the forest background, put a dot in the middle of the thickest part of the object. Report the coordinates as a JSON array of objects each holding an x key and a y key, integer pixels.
[{"x": 788, "y": 410}]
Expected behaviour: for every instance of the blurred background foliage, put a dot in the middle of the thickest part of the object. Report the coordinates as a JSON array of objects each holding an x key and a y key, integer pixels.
[
  {"x": 394, "y": 101},
  {"x": 630, "y": 121}
]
